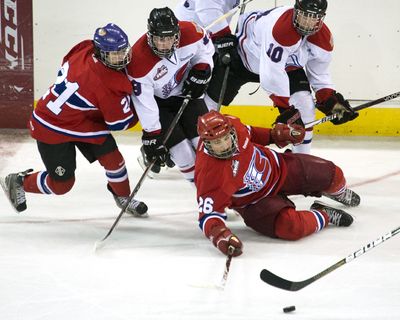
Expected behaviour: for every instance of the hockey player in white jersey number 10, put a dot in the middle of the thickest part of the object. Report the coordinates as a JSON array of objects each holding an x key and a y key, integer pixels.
[
  {"x": 172, "y": 60},
  {"x": 288, "y": 51}
]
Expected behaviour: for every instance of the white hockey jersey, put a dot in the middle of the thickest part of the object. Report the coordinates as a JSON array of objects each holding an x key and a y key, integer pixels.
[
  {"x": 161, "y": 77},
  {"x": 269, "y": 45},
  {"x": 204, "y": 12}
]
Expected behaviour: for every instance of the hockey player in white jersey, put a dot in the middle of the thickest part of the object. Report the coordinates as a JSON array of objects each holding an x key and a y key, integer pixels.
[
  {"x": 288, "y": 50},
  {"x": 172, "y": 60}
]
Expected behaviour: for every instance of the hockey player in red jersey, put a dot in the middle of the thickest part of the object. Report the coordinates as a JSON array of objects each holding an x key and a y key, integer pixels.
[
  {"x": 288, "y": 51},
  {"x": 172, "y": 60},
  {"x": 90, "y": 97},
  {"x": 235, "y": 169}
]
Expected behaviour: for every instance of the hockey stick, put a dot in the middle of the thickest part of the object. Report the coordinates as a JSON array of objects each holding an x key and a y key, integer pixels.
[
  {"x": 185, "y": 102},
  {"x": 276, "y": 281},
  {"x": 360, "y": 107},
  {"x": 227, "y": 61},
  {"x": 228, "y": 14},
  {"x": 228, "y": 261}
]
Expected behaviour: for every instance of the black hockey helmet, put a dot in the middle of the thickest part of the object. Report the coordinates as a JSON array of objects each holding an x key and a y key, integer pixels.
[
  {"x": 162, "y": 24},
  {"x": 309, "y": 16}
]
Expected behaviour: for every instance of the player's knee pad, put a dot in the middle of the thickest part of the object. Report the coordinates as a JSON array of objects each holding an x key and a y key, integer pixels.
[
  {"x": 183, "y": 154},
  {"x": 304, "y": 102},
  {"x": 288, "y": 225},
  {"x": 338, "y": 182},
  {"x": 60, "y": 187}
]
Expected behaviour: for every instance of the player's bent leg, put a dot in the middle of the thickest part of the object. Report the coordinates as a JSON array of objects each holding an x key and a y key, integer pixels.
[
  {"x": 118, "y": 183},
  {"x": 184, "y": 156},
  {"x": 42, "y": 182},
  {"x": 339, "y": 192},
  {"x": 304, "y": 102},
  {"x": 292, "y": 224}
]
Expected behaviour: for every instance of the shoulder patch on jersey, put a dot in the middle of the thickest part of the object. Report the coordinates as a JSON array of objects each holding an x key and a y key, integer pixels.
[
  {"x": 143, "y": 58},
  {"x": 284, "y": 32},
  {"x": 323, "y": 38},
  {"x": 190, "y": 33}
]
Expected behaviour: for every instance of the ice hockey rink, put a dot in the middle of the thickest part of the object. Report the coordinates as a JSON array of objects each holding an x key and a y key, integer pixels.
[{"x": 163, "y": 267}]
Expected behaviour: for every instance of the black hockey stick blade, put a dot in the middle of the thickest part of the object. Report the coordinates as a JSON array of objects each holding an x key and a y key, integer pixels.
[
  {"x": 281, "y": 283},
  {"x": 278, "y": 282}
]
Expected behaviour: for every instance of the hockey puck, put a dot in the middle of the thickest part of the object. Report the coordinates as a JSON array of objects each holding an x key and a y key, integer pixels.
[{"x": 289, "y": 309}]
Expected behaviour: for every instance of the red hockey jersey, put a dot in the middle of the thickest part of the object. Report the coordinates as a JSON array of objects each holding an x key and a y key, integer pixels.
[
  {"x": 86, "y": 101},
  {"x": 253, "y": 172}
]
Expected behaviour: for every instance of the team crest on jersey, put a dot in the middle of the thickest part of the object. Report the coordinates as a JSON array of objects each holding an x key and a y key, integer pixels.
[
  {"x": 235, "y": 167},
  {"x": 161, "y": 72},
  {"x": 257, "y": 175}
]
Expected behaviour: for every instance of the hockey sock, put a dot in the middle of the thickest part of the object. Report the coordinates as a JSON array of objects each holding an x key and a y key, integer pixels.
[
  {"x": 41, "y": 182},
  {"x": 116, "y": 173},
  {"x": 291, "y": 224}
]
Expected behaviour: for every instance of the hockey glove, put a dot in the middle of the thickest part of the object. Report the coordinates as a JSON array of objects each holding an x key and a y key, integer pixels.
[
  {"x": 154, "y": 149},
  {"x": 196, "y": 83},
  {"x": 226, "y": 47},
  {"x": 337, "y": 104},
  {"x": 290, "y": 116},
  {"x": 223, "y": 238},
  {"x": 283, "y": 134}
]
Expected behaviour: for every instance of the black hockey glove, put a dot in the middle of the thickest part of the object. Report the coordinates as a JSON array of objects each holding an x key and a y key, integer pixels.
[
  {"x": 226, "y": 48},
  {"x": 290, "y": 116},
  {"x": 154, "y": 148},
  {"x": 196, "y": 83},
  {"x": 337, "y": 104}
]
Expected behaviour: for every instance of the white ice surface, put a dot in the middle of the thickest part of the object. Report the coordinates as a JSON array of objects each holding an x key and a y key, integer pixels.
[{"x": 162, "y": 267}]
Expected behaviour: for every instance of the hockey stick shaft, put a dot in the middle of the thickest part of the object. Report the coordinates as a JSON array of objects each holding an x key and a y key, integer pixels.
[
  {"x": 228, "y": 14},
  {"x": 360, "y": 107},
  {"x": 228, "y": 67},
  {"x": 139, "y": 184},
  {"x": 227, "y": 267},
  {"x": 276, "y": 281}
]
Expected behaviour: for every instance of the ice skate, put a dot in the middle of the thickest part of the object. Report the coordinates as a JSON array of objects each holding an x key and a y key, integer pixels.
[
  {"x": 155, "y": 169},
  {"x": 349, "y": 198},
  {"x": 12, "y": 185},
  {"x": 337, "y": 217},
  {"x": 135, "y": 208}
]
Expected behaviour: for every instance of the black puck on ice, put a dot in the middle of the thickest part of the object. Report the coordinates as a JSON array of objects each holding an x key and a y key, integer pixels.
[{"x": 289, "y": 309}]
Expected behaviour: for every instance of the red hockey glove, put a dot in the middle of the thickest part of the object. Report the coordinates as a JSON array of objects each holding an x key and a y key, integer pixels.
[
  {"x": 223, "y": 238},
  {"x": 336, "y": 103},
  {"x": 283, "y": 134}
]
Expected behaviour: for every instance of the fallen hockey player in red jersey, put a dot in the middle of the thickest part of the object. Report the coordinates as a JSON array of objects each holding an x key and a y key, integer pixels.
[{"x": 235, "y": 169}]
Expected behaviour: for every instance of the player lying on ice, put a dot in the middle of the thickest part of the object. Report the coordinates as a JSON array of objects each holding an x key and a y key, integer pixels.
[
  {"x": 90, "y": 98},
  {"x": 235, "y": 169}
]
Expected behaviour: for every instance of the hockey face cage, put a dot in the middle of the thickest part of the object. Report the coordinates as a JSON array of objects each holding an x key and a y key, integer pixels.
[
  {"x": 307, "y": 23},
  {"x": 153, "y": 40},
  {"x": 214, "y": 126},
  {"x": 112, "y": 47}
]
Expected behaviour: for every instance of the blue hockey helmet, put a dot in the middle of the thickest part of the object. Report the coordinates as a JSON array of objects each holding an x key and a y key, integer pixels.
[{"x": 112, "y": 46}]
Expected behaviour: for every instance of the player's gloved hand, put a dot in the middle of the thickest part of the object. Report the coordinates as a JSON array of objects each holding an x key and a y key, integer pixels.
[
  {"x": 336, "y": 103},
  {"x": 226, "y": 47},
  {"x": 154, "y": 148},
  {"x": 283, "y": 134},
  {"x": 223, "y": 239},
  {"x": 290, "y": 116},
  {"x": 196, "y": 82}
]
